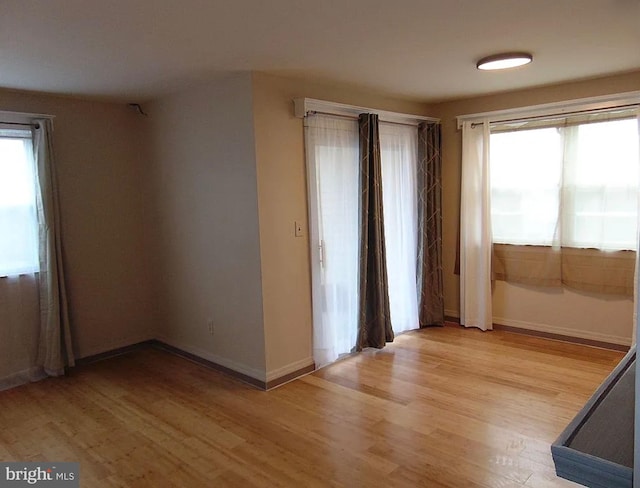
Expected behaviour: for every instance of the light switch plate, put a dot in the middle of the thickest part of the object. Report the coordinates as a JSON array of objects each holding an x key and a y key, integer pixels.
[{"x": 298, "y": 231}]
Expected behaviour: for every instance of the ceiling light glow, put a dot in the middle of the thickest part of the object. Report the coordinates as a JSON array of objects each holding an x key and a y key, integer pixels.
[{"x": 504, "y": 61}]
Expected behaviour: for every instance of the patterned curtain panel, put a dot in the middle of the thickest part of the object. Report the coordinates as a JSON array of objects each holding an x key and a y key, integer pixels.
[
  {"x": 430, "y": 285},
  {"x": 374, "y": 323}
]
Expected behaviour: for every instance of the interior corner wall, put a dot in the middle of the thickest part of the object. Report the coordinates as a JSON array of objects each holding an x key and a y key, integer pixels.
[
  {"x": 598, "y": 317},
  {"x": 101, "y": 169},
  {"x": 206, "y": 218},
  {"x": 282, "y": 198}
]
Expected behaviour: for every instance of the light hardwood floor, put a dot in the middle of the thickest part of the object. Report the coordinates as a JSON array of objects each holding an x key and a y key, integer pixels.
[{"x": 442, "y": 407}]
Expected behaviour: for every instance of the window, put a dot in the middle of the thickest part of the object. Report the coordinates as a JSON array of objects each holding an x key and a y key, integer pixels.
[
  {"x": 526, "y": 170},
  {"x": 600, "y": 190},
  {"x": 333, "y": 156},
  {"x": 569, "y": 183},
  {"x": 18, "y": 219}
]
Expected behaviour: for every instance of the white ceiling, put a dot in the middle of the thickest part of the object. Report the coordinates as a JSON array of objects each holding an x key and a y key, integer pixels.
[{"x": 135, "y": 50}]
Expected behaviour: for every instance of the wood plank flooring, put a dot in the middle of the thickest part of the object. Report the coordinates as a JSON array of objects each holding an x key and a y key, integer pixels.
[{"x": 442, "y": 407}]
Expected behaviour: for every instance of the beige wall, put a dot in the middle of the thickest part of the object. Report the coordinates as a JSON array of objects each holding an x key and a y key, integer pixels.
[
  {"x": 101, "y": 168},
  {"x": 566, "y": 312},
  {"x": 282, "y": 199},
  {"x": 187, "y": 217},
  {"x": 162, "y": 229},
  {"x": 208, "y": 254}
]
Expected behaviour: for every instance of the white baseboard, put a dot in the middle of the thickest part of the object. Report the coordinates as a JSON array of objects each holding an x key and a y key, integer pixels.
[
  {"x": 564, "y": 331},
  {"x": 275, "y": 374},
  {"x": 254, "y": 373}
]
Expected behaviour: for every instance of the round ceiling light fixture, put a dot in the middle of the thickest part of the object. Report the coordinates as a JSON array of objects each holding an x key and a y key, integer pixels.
[{"x": 504, "y": 61}]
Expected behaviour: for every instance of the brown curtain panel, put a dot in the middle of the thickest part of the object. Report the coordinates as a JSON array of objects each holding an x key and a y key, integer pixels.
[
  {"x": 430, "y": 284},
  {"x": 374, "y": 323},
  {"x": 527, "y": 265},
  {"x": 590, "y": 270}
]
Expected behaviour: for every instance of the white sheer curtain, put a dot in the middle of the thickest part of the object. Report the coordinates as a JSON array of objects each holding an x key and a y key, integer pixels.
[
  {"x": 35, "y": 338},
  {"x": 526, "y": 176},
  {"x": 475, "y": 228},
  {"x": 398, "y": 151},
  {"x": 599, "y": 203},
  {"x": 332, "y": 150},
  {"x": 18, "y": 219},
  {"x": 636, "y": 326},
  {"x": 19, "y": 330},
  {"x": 19, "y": 290},
  {"x": 332, "y": 164},
  {"x": 636, "y": 293},
  {"x": 55, "y": 349},
  {"x": 549, "y": 186}
]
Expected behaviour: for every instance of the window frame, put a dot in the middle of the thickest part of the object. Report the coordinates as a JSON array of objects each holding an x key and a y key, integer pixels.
[{"x": 564, "y": 160}]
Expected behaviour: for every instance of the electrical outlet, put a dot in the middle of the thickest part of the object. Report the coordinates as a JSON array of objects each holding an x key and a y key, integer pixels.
[{"x": 210, "y": 327}]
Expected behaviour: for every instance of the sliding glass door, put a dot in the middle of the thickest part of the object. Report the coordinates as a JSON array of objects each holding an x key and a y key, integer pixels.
[
  {"x": 332, "y": 166},
  {"x": 398, "y": 153},
  {"x": 332, "y": 151}
]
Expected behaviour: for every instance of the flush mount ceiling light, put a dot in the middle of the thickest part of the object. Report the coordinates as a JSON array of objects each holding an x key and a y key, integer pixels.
[{"x": 504, "y": 61}]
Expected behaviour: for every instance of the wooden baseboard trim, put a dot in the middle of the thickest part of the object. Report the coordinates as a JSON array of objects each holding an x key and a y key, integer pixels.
[
  {"x": 118, "y": 351},
  {"x": 564, "y": 338},
  {"x": 454, "y": 322},
  {"x": 291, "y": 376},
  {"x": 262, "y": 385}
]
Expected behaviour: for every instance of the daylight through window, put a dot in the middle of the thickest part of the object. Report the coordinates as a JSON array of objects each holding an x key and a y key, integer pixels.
[
  {"x": 567, "y": 183},
  {"x": 18, "y": 219}
]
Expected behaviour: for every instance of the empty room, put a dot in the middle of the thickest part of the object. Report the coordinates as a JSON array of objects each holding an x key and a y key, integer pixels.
[{"x": 319, "y": 244}]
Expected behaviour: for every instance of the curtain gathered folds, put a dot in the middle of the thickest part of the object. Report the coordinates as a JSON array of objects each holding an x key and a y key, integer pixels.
[
  {"x": 398, "y": 151},
  {"x": 374, "y": 324},
  {"x": 636, "y": 292},
  {"x": 364, "y": 178},
  {"x": 475, "y": 228},
  {"x": 20, "y": 325},
  {"x": 558, "y": 219},
  {"x": 54, "y": 345},
  {"x": 430, "y": 281},
  {"x": 331, "y": 145}
]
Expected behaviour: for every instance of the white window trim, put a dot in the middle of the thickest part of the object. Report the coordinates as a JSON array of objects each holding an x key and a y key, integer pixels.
[
  {"x": 308, "y": 106},
  {"x": 579, "y": 105},
  {"x": 8, "y": 120}
]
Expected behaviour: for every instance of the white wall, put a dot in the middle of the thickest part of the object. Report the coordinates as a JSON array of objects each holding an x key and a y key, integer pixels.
[{"x": 208, "y": 251}]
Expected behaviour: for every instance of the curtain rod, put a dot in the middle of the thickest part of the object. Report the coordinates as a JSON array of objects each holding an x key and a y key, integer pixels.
[
  {"x": 557, "y": 115},
  {"x": 354, "y": 117},
  {"x": 24, "y": 124},
  {"x": 304, "y": 106}
]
